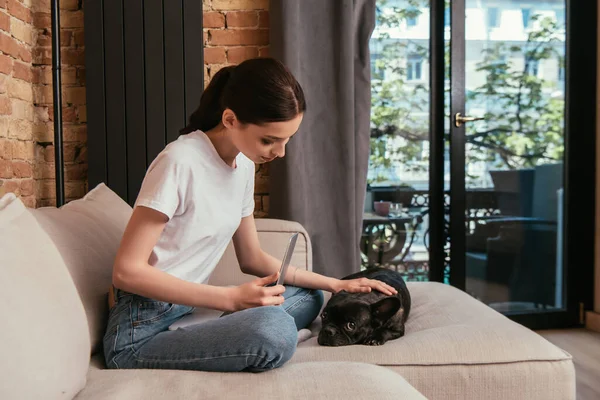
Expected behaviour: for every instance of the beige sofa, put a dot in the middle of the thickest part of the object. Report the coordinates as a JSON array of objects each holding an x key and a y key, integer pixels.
[{"x": 56, "y": 268}]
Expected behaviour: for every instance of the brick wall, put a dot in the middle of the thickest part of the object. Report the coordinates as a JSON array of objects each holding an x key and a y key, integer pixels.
[
  {"x": 26, "y": 126},
  {"x": 17, "y": 147},
  {"x": 234, "y": 30}
]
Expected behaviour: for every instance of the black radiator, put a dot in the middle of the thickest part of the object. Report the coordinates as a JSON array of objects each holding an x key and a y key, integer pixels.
[{"x": 144, "y": 77}]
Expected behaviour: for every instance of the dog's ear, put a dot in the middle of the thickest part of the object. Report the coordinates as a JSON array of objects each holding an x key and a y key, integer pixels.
[{"x": 385, "y": 308}]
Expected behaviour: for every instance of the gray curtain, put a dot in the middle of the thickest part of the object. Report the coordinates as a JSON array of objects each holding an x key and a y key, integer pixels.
[{"x": 321, "y": 182}]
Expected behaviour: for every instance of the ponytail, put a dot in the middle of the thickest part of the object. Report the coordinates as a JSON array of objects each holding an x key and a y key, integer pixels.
[
  {"x": 258, "y": 91},
  {"x": 209, "y": 113}
]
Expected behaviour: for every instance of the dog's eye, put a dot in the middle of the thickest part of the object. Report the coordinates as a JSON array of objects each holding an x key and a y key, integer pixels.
[
  {"x": 350, "y": 326},
  {"x": 324, "y": 315}
]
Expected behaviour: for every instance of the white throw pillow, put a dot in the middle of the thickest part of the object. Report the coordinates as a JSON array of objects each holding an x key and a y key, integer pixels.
[
  {"x": 44, "y": 332},
  {"x": 87, "y": 233}
]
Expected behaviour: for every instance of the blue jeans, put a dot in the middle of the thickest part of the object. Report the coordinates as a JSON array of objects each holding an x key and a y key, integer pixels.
[{"x": 255, "y": 339}]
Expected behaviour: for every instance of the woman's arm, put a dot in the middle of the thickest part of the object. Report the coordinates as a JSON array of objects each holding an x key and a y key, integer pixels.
[
  {"x": 132, "y": 273},
  {"x": 253, "y": 260}
]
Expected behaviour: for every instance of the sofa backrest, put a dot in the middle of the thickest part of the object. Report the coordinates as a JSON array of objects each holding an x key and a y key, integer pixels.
[
  {"x": 44, "y": 331},
  {"x": 88, "y": 232}
]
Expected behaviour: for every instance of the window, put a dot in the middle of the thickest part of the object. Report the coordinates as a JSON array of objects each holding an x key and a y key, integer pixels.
[
  {"x": 560, "y": 16},
  {"x": 526, "y": 14},
  {"x": 376, "y": 72},
  {"x": 533, "y": 67},
  {"x": 561, "y": 70},
  {"x": 412, "y": 14},
  {"x": 493, "y": 20},
  {"x": 447, "y": 17},
  {"x": 414, "y": 66}
]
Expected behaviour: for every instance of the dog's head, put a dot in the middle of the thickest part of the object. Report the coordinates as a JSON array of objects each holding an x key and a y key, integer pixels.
[{"x": 348, "y": 319}]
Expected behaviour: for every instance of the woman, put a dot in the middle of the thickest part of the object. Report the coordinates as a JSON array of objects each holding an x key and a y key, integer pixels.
[{"x": 196, "y": 196}]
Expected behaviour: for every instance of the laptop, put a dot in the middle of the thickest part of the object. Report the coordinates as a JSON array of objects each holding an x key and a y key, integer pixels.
[{"x": 200, "y": 314}]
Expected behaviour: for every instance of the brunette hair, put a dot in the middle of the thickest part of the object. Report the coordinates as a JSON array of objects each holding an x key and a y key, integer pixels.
[{"x": 258, "y": 91}]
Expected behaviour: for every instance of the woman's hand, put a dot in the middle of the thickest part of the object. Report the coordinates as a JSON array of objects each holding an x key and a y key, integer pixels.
[
  {"x": 364, "y": 285},
  {"x": 255, "y": 294}
]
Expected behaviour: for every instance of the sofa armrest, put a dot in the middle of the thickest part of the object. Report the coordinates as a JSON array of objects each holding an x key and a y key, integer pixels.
[{"x": 273, "y": 235}]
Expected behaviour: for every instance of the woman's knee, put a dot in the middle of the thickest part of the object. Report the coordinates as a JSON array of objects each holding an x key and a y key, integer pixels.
[{"x": 275, "y": 331}]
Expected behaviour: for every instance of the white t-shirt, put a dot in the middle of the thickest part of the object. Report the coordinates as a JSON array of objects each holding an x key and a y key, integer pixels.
[{"x": 204, "y": 199}]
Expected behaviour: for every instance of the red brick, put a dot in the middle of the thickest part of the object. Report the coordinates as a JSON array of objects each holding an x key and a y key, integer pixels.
[
  {"x": 75, "y": 133},
  {"x": 71, "y": 19},
  {"x": 236, "y": 55},
  {"x": 5, "y": 106},
  {"x": 263, "y": 19},
  {"x": 6, "y": 149},
  {"x": 29, "y": 201},
  {"x": 68, "y": 114},
  {"x": 44, "y": 171},
  {"x": 240, "y": 4},
  {"x": 19, "y": 11},
  {"x": 82, "y": 113},
  {"x": 70, "y": 151},
  {"x": 22, "y": 169},
  {"x": 6, "y": 64},
  {"x": 82, "y": 155},
  {"x": 42, "y": 20},
  {"x": 79, "y": 38},
  {"x": 69, "y": 4},
  {"x": 3, "y": 4},
  {"x": 42, "y": 55},
  {"x": 11, "y": 187},
  {"x": 65, "y": 38},
  {"x": 45, "y": 40},
  {"x": 9, "y": 46},
  {"x": 239, "y": 37},
  {"x": 80, "y": 76},
  {"x": 49, "y": 153},
  {"x": 263, "y": 52},
  {"x": 242, "y": 19},
  {"x": 46, "y": 189},
  {"x": 214, "y": 55},
  {"x": 6, "y": 169},
  {"x": 4, "y": 22},
  {"x": 72, "y": 56},
  {"x": 76, "y": 172},
  {"x": 24, "y": 53},
  {"x": 26, "y": 187},
  {"x": 74, "y": 190},
  {"x": 261, "y": 185},
  {"x": 213, "y": 20},
  {"x": 75, "y": 95},
  {"x": 23, "y": 150},
  {"x": 22, "y": 71}
]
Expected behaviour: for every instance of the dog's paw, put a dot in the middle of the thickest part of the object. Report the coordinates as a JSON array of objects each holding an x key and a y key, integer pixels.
[{"x": 374, "y": 342}]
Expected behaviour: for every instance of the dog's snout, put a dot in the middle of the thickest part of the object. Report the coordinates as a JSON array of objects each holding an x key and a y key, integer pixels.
[{"x": 329, "y": 331}]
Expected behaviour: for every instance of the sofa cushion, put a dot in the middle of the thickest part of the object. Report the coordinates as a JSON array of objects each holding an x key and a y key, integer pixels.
[
  {"x": 312, "y": 380},
  {"x": 453, "y": 338},
  {"x": 87, "y": 233},
  {"x": 44, "y": 334}
]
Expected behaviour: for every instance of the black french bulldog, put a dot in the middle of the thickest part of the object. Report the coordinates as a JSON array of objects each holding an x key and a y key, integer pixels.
[{"x": 366, "y": 318}]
